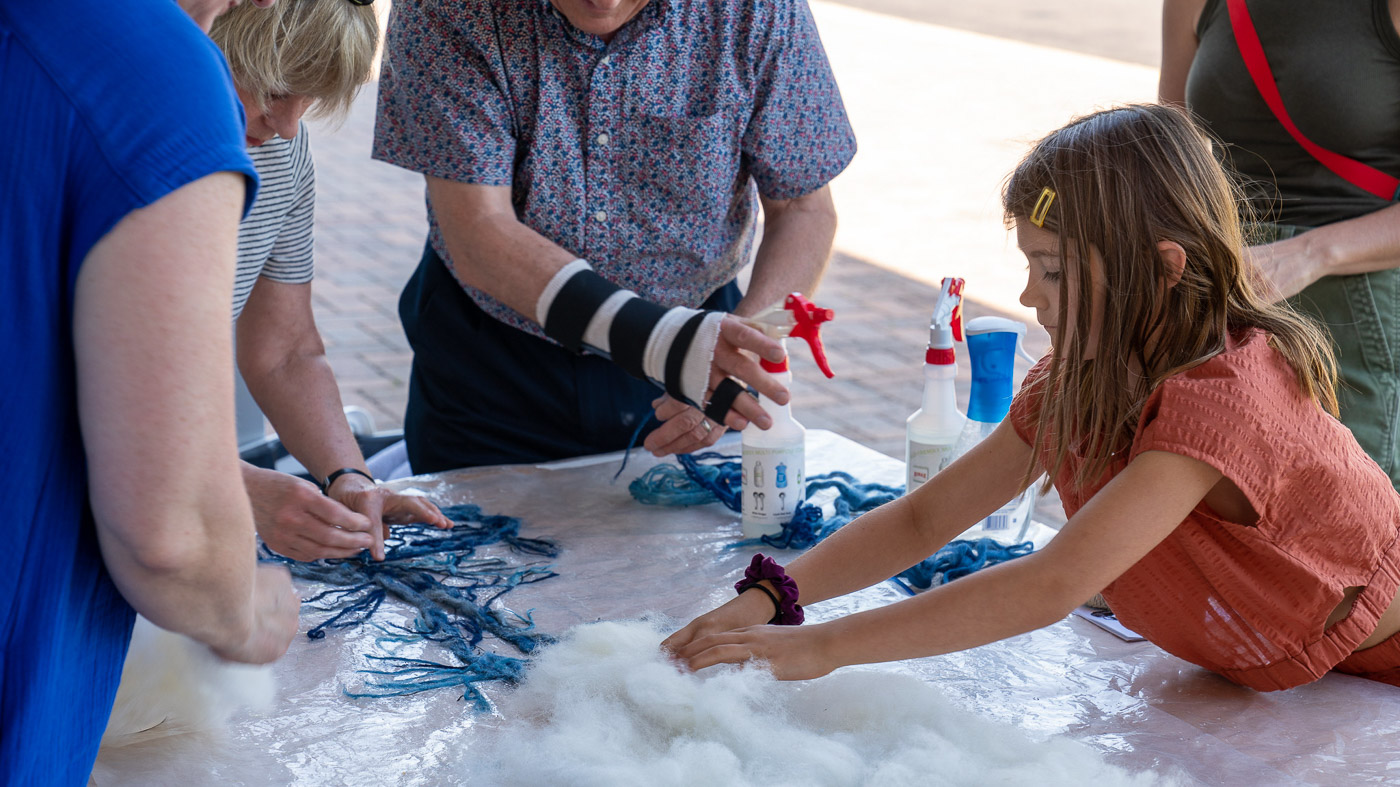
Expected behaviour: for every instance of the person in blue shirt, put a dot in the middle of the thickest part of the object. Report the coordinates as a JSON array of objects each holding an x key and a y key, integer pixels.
[{"x": 124, "y": 179}]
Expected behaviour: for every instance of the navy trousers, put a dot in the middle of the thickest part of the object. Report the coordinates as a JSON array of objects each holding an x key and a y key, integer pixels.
[{"x": 484, "y": 393}]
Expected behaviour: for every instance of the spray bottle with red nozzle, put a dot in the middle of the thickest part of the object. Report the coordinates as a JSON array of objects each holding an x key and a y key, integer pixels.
[
  {"x": 775, "y": 459},
  {"x": 933, "y": 430}
]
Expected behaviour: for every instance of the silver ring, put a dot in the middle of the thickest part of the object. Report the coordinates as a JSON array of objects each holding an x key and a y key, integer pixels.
[{"x": 706, "y": 423}]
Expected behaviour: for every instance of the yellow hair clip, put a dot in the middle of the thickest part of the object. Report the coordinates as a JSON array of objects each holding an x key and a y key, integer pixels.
[{"x": 1042, "y": 206}]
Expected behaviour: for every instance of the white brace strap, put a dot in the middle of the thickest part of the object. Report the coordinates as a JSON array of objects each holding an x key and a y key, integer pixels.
[
  {"x": 673, "y": 348},
  {"x": 556, "y": 284}
]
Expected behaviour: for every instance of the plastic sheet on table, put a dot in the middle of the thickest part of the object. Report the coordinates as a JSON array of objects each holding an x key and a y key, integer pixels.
[{"x": 1139, "y": 707}]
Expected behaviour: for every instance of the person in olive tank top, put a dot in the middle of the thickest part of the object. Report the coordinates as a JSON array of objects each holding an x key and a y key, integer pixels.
[{"x": 1329, "y": 246}]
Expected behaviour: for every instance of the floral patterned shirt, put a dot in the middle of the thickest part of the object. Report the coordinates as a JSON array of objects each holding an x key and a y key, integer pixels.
[{"x": 644, "y": 154}]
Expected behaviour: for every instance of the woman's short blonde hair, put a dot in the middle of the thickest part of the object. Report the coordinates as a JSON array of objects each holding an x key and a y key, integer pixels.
[{"x": 324, "y": 49}]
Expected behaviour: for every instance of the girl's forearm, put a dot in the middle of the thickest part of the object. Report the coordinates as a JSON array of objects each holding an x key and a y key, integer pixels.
[
  {"x": 871, "y": 549},
  {"x": 903, "y": 532},
  {"x": 991, "y": 605}
]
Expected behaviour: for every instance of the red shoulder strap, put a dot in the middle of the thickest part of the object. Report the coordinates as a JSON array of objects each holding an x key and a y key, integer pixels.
[{"x": 1362, "y": 176}]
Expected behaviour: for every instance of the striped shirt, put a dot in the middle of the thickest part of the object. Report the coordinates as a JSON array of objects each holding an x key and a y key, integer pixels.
[{"x": 275, "y": 239}]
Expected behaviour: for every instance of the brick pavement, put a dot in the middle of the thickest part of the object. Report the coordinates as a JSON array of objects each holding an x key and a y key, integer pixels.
[{"x": 370, "y": 227}]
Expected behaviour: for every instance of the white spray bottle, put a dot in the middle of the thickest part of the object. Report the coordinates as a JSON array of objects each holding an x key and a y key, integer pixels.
[
  {"x": 992, "y": 346},
  {"x": 932, "y": 431},
  {"x": 775, "y": 460}
]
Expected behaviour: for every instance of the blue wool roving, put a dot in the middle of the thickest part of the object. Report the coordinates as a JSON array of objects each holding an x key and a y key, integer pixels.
[
  {"x": 957, "y": 560},
  {"x": 707, "y": 477},
  {"x": 437, "y": 573}
]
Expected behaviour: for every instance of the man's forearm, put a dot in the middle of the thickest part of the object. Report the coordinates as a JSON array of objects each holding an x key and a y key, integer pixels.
[
  {"x": 680, "y": 348},
  {"x": 796, "y": 246},
  {"x": 490, "y": 248}
]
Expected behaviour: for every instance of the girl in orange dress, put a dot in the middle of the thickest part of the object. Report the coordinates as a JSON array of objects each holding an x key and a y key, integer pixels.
[{"x": 1188, "y": 424}]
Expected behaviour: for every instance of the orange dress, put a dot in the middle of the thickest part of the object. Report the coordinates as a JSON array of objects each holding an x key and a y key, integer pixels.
[{"x": 1251, "y": 601}]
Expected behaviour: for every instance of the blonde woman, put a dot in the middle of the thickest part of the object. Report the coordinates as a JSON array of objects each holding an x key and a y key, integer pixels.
[{"x": 311, "y": 55}]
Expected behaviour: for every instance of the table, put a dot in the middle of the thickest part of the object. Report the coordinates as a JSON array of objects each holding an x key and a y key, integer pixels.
[{"x": 1138, "y": 706}]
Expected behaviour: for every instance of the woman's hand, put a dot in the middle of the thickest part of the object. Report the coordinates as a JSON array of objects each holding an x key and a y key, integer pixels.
[
  {"x": 791, "y": 652},
  {"x": 683, "y": 429},
  {"x": 1286, "y": 267},
  {"x": 294, "y": 519},
  {"x": 385, "y": 507}
]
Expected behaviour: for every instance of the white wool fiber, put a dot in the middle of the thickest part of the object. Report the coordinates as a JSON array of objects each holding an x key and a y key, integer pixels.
[
  {"x": 172, "y": 685},
  {"x": 604, "y": 707}
]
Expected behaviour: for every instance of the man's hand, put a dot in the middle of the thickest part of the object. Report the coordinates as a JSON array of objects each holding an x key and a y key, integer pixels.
[
  {"x": 736, "y": 336},
  {"x": 683, "y": 429},
  {"x": 275, "y": 609},
  {"x": 378, "y": 504}
]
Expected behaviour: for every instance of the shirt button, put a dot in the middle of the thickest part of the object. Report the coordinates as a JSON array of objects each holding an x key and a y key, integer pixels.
[
  {"x": 601, "y": 216},
  {"x": 606, "y": 60},
  {"x": 602, "y": 139}
]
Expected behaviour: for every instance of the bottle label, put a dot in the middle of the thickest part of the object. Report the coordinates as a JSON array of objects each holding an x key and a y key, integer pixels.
[
  {"x": 1009, "y": 521},
  {"x": 774, "y": 482},
  {"x": 925, "y": 460}
]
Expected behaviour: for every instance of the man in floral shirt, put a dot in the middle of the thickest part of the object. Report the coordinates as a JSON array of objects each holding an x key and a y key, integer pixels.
[{"x": 578, "y": 152}]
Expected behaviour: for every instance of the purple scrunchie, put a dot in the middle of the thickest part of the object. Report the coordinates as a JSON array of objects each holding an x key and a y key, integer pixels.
[{"x": 764, "y": 567}]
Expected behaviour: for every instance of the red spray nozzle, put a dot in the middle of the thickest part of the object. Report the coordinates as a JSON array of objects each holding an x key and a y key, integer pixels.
[
  {"x": 808, "y": 319},
  {"x": 954, "y": 288}
]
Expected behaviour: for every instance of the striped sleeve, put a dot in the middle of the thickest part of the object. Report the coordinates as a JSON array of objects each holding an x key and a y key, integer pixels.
[{"x": 291, "y": 261}]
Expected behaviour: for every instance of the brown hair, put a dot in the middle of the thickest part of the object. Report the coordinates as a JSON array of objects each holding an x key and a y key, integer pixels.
[
  {"x": 1125, "y": 179},
  {"x": 324, "y": 49}
]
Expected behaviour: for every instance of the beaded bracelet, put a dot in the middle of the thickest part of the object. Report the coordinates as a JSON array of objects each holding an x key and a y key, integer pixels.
[{"x": 789, "y": 612}]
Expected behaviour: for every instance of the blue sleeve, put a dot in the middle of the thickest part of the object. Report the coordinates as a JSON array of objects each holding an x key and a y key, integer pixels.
[
  {"x": 140, "y": 105},
  {"x": 160, "y": 112}
]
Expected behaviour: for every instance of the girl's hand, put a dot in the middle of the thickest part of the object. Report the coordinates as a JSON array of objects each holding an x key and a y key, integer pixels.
[
  {"x": 791, "y": 652},
  {"x": 744, "y": 610}
]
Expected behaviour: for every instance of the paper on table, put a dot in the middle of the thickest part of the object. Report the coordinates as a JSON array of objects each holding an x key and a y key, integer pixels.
[{"x": 1108, "y": 621}]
